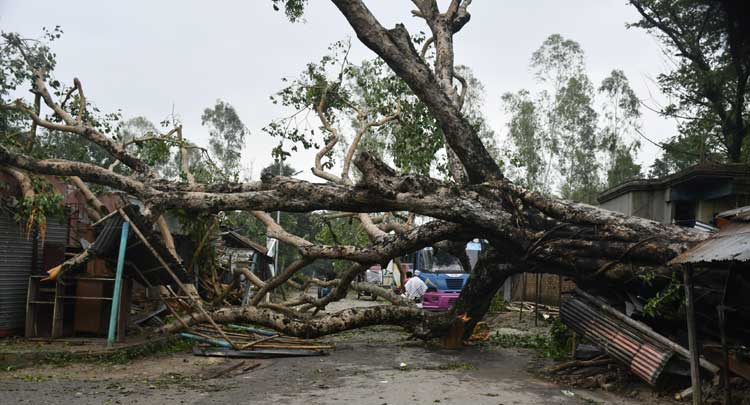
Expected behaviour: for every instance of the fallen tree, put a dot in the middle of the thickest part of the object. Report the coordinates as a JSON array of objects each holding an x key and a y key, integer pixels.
[{"x": 526, "y": 231}]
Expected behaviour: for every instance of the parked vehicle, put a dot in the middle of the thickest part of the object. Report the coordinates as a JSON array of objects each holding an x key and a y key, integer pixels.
[
  {"x": 373, "y": 275},
  {"x": 443, "y": 274}
]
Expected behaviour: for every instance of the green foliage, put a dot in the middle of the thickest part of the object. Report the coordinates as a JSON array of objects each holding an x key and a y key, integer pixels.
[
  {"x": 621, "y": 112},
  {"x": 226, "y": 137},
  {"x": 33, "y": 213},
  {"x": 561, "y": 336},
  {"x": 555, "y": 345},
  {"x": 351, "y": 94},
  {"x": 498, "y": 304},
  {"x": 18, "y": 53},
  {"x": 523, "y": 130},
  {"x": 579, "y": 141},
  {"x": 340, "y": 231},
  {"x": 156, "y": 153},
  {"x": 293, "y": 9},
  {"x": 569, "y": 137},
  {"x": 647, "y": 278},
  {"x": 708, "y": 84},
  {"x": 665, "y": 301}
]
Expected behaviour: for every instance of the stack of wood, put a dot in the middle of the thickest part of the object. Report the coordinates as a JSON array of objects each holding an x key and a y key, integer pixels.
[
  {"x": 599, "y": 372},
  {"x": 545, "y": 311},
  {"x": 248, "y": 341}
]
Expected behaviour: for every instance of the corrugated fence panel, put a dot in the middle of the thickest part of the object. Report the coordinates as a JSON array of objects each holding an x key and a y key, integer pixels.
[
  {"x": 15, "y": 267},
  {"x": 645, "y": 357}
]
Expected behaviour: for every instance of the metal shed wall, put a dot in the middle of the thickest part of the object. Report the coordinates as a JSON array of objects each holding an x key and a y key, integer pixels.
[{"x": 15, "y": 268}]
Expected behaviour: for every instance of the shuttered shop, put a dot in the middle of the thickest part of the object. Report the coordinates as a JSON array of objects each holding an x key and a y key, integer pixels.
[{"x": 16, "y": 252}]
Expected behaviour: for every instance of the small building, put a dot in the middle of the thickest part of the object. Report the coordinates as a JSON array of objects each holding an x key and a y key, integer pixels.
[
  {"x": 691, "y": 197},
  {"x": 238, "y": 252}
]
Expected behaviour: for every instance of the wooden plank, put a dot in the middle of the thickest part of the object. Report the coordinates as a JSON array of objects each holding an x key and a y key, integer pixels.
[
  {"x": 58, "y": 311},
  {"x": 31, "y": 311},
  {"x": 124, "y": 318}
]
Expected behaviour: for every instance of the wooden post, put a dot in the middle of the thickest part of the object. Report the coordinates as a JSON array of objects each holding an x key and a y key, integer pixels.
[
  {"x": 523, "y": 297},
  {"x": 724, "y": 354},
  {"x": 31, "y": 310},
  {"x": 692, "y": 335},
  {"x": 722, "y": 309},
  {"x": 537, "y": 287}
]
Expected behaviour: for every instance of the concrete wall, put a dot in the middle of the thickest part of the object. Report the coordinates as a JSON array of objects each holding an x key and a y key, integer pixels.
[
  {"x": 622, "y": 204},
  {"x": 706, "y": 209},
  {"x": 650, "y": 204}
]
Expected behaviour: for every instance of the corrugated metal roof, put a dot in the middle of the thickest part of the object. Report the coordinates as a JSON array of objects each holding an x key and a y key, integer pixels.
[
  {"x": 645, "y": 357},
  {"x": 244, "y": 242},
  {"x": 731, "y": 244},
  {"x": 108, "y": 241},
  {"x": 742, "y": 212}
]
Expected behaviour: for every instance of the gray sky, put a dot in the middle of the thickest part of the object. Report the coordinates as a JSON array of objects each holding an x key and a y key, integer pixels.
[{"x": 144, "y": 56}]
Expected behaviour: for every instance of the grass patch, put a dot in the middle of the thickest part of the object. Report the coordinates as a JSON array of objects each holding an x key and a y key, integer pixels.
[
  {"x": 455, "y": 365},
  {"x": 555, "y": 345},
  {"x": 119, "y": 356},
  {"x": 123, "y": 356}
]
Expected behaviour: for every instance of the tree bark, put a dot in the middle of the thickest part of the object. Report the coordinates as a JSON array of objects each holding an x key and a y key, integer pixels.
[{"x": 422, "y": 324}]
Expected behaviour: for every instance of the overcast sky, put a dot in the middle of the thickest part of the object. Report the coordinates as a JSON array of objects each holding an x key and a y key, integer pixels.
[{"x": 143, "y": 57}]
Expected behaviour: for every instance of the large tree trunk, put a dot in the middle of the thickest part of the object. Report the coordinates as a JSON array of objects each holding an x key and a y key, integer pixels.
[{"x": 422, "y": 324}]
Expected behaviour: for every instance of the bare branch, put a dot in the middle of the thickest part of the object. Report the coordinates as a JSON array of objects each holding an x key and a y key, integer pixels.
[
  {"x": 276, "y": 231},
  {"x": 318, "y": 169},
  {"x": 358, "y": 137},
  {"x": 99, "y": 208},
  {"x": 81, "y": 101}
]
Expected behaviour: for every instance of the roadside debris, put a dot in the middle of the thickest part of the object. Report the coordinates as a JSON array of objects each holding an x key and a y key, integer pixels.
[
  {"x": 547, "y": 312},
  {"x": 631, "y": 343},
  {"x": 250, "y": 342}
]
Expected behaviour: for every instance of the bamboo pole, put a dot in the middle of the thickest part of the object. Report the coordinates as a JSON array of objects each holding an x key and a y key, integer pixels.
[{"x": 114, "y": 314}]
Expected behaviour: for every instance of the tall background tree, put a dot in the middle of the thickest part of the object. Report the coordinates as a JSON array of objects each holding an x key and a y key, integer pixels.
[
  {"x": 569, "y": 138},
  {"x": 708, "y": 46},
  {"x": 226, "y": 137}
]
